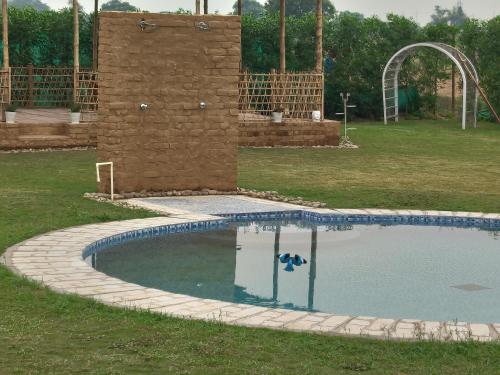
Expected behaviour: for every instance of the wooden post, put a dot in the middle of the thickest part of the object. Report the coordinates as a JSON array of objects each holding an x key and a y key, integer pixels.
[
  {"x": 282, "y": 38},
  {"x": 30, "y": 74},
  {"x": 205, "y": 6},
  {"x": 198, "y": 7},
  {"x": 274, "y": 104},
  {"x": 5, "y": 29},
  {"x": 76, "y": 48},
  {"x": 95, "y": 35},
  {"x": 319, "y": 36},
  {"x": 240, "y": 12},
  {"x": 5, "y": 24},
  {"x": 322, "y": 97}
]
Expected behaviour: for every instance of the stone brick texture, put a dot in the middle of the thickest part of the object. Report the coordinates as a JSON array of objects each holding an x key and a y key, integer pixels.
[
  {"x": 289, "y": 133},
  {"x": 40, "y": 136},
  {"x": 171, "y": 67}
]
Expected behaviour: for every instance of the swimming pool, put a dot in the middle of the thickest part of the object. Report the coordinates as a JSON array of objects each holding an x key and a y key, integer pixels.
[{"x": 441, "y": 270}]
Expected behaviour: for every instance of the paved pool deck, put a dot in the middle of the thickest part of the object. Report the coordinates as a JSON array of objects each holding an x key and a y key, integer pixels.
[
  {"x": 56, "y": 260},
  {"x": 212, "y": 205}
]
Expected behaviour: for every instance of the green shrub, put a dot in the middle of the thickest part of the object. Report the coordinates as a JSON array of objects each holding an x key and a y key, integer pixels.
[{"x": 11, "y": 108}]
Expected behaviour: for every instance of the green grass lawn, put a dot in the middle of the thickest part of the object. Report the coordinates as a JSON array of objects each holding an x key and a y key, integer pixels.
[
  {"x": 411, "y": 165},
  {"x": 424, "y": 165}
]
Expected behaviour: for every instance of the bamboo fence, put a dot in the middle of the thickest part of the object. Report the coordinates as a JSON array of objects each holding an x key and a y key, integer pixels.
[
  {"x": 87, "y": 92},
  {"x": 4, "y": 87},
  {"x": 297, "y": 95},
  {"x": 33, "y": 87}
]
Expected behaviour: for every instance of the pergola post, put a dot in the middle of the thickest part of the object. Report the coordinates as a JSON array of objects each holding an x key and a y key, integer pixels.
[
  {"x": 319, "y": 36},
  {"x": 205, "y": 6},
  {"x": 5, "y": 28},
  {"x": 282, "y": 38},
  {"x": 197, "y": 7},
  {"x": 94, "y": 36},
  {"x": 76, "y": 49}
]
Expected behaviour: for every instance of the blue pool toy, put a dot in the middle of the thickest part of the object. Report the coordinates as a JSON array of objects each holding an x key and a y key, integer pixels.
[
  {"x": 283, "y": 257},
  {"x": 296, "y": 260}
]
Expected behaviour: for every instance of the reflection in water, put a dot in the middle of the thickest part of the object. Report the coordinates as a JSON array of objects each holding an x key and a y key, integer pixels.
[
  {"x": 312, "y": 270},
  {"x": 391, "y": 271}
]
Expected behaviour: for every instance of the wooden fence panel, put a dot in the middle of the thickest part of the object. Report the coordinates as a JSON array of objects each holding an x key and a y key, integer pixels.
[
  {"x": 297, "y": 94},
  {"x": 87, "y": 93},
  {"x": 34, "y": 87},
  {"x": 4, "y": 87}
]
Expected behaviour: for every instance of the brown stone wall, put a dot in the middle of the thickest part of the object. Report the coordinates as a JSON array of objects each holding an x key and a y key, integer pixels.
[
  {"x": 289, "y": 133},
  {"x": 171, "y": 68},
  {"x": 37, "y": 136}
]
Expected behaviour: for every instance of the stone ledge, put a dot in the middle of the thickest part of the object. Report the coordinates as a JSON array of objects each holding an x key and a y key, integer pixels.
[{"x": 268, "y": 195}]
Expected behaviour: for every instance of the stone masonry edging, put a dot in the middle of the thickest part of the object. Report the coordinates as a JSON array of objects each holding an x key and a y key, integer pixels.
[
  {"x": 55, "y": 260},
  {"x": 268, "y": 195},
  {"x": 47, "y": 149}
]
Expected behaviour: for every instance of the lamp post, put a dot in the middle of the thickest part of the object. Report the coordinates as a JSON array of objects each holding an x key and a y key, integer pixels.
[{"x": 346, "y": 142}]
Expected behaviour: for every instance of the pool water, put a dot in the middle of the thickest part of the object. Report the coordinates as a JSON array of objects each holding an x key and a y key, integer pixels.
[{"x": 400, "y": 271}]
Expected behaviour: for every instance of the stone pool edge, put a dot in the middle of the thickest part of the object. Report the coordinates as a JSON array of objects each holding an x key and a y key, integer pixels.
[{"x": 55, "y": 260}]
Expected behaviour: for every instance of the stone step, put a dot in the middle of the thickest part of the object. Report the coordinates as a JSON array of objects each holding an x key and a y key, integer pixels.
[
  {"x": 44, "y": 141},
  {"x": 42, "y": 137},
  {"x": 42, "y": 129}
]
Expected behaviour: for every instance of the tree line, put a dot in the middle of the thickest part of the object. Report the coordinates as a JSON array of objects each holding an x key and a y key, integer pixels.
[{"x": 358, "y": 48}]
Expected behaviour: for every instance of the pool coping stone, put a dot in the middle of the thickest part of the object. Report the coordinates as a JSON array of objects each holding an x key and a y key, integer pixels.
[{"x": 55, "y": 260}]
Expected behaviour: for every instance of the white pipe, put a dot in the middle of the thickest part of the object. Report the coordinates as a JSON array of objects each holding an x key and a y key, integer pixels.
[{"x": 110, "y": 163}]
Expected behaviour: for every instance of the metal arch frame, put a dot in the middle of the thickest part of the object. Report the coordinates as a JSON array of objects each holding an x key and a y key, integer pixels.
[{"x": 459, "y": 59}]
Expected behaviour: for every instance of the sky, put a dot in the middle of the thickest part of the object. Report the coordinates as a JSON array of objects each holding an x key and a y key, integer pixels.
[{"x": 419, "y": 10}]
